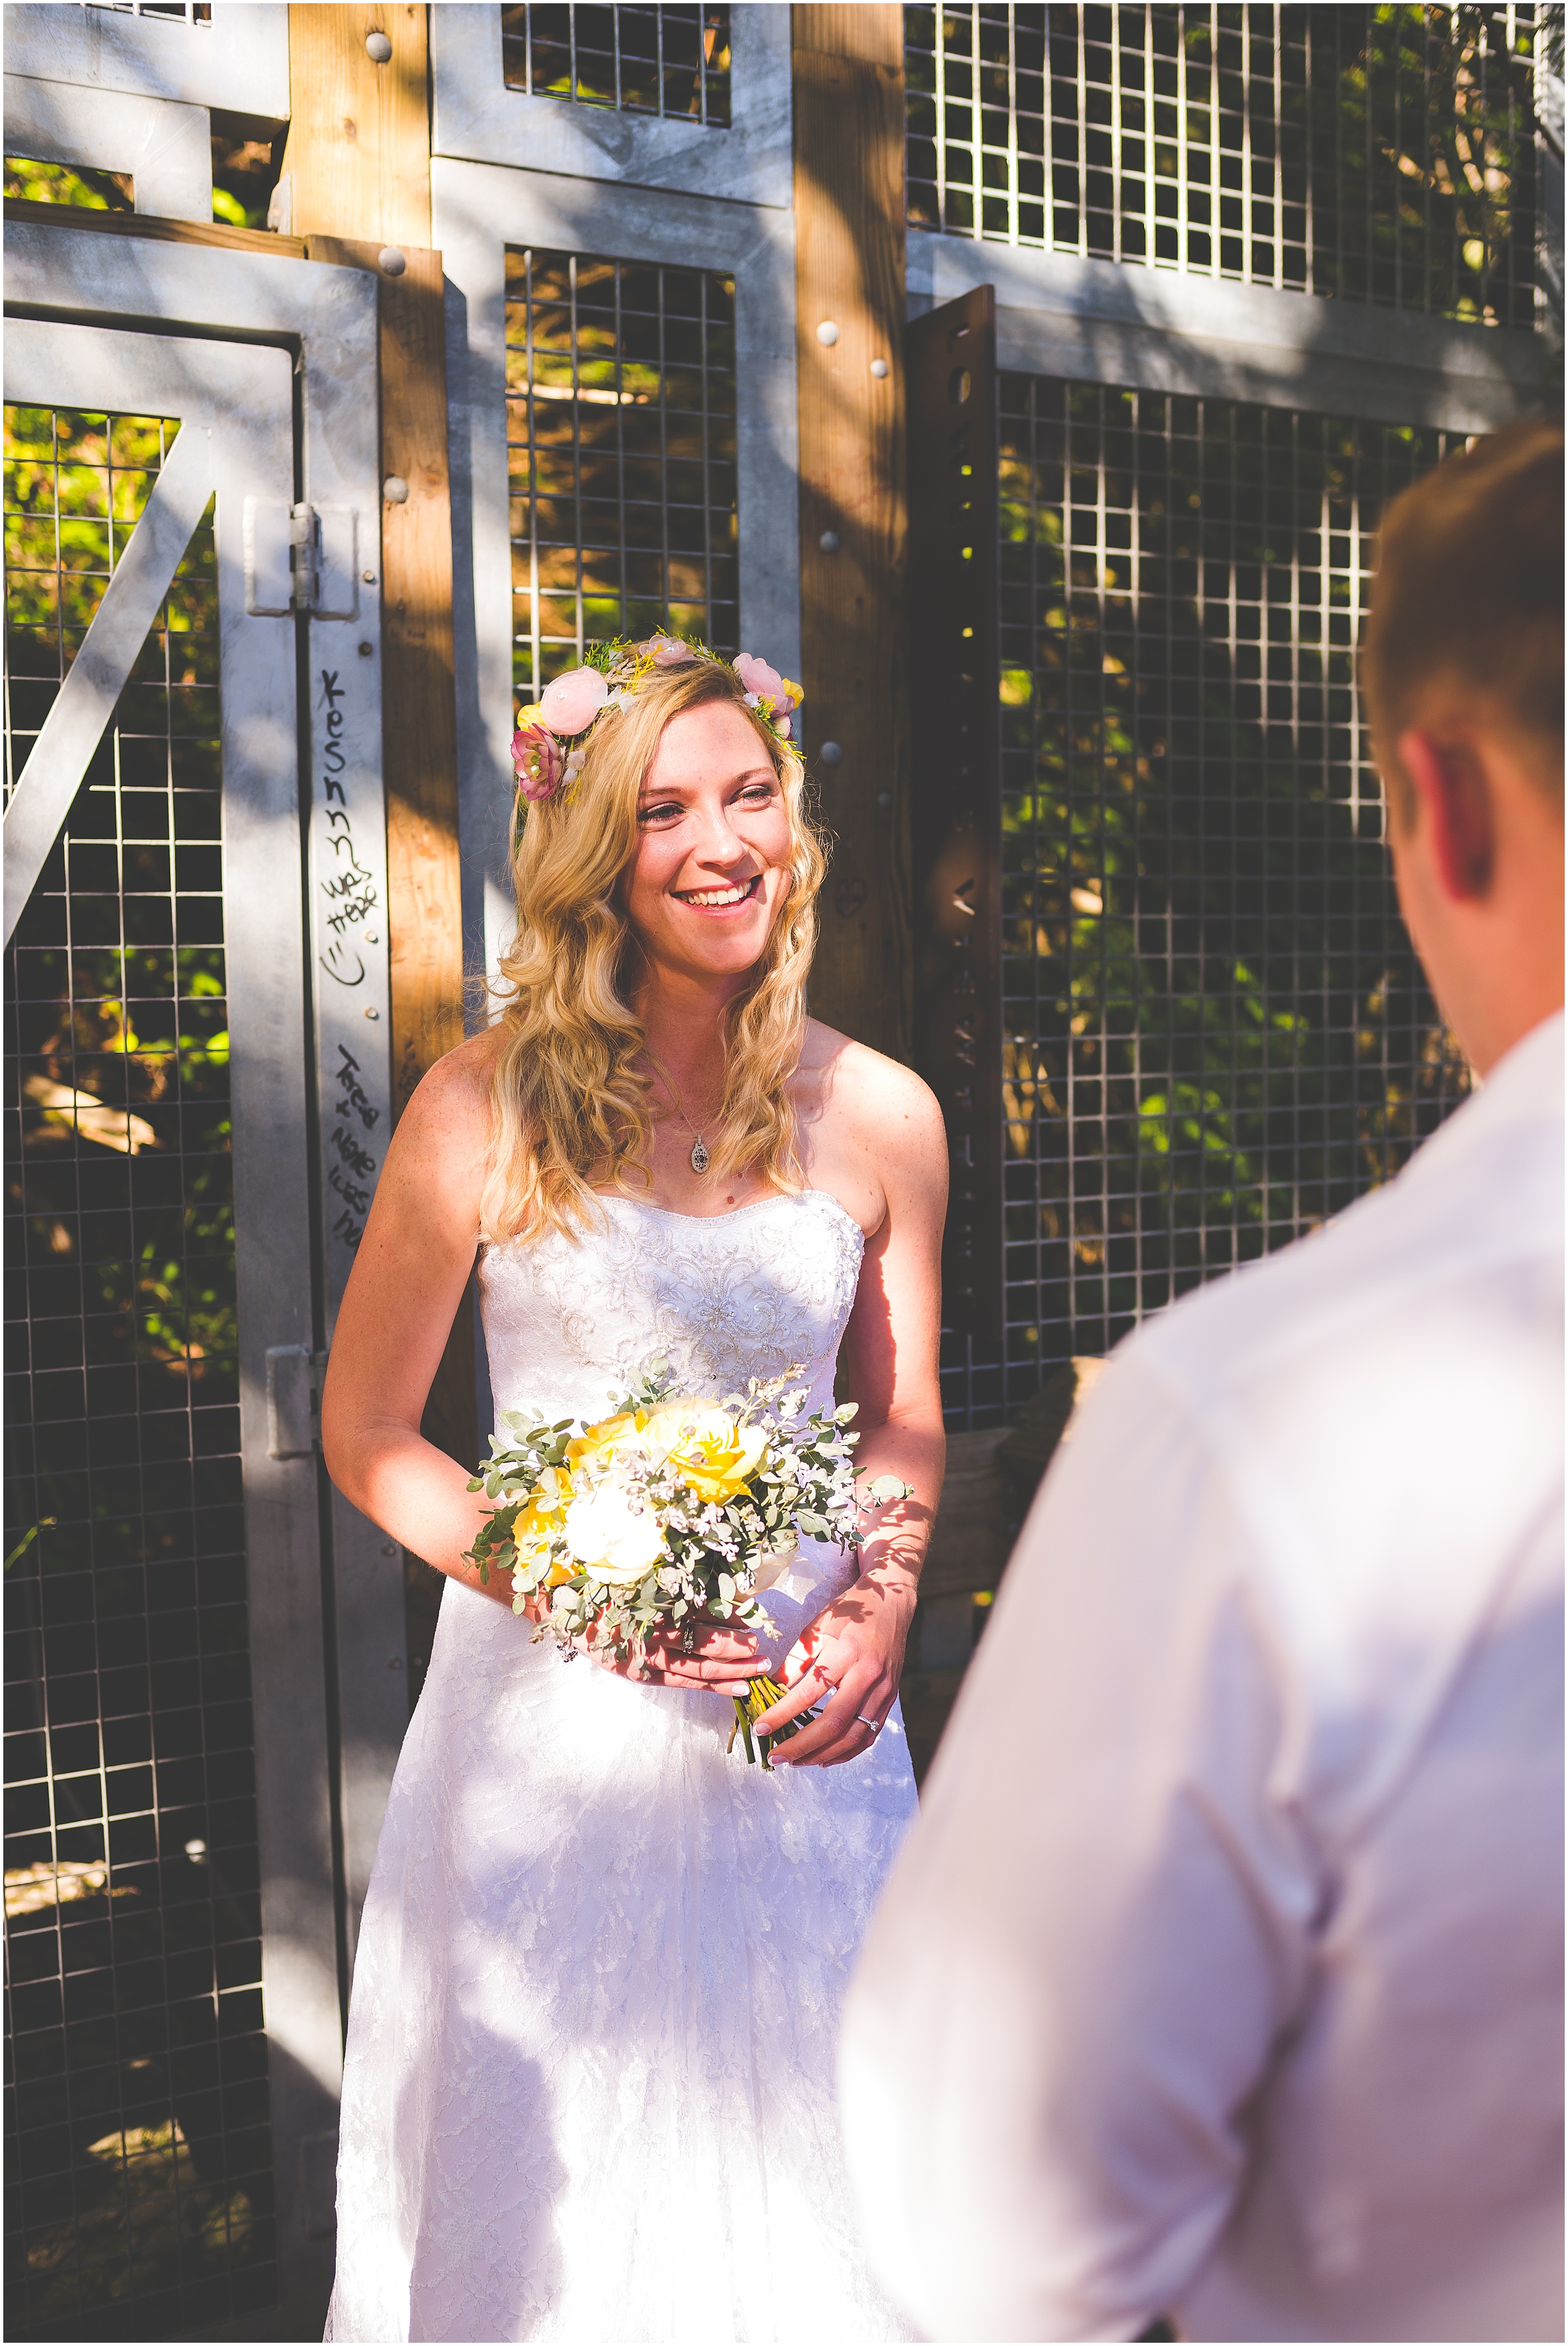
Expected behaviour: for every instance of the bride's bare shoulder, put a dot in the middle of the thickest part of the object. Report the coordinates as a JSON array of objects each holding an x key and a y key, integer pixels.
[
  {"x": 871, "y": 1100},
  {"x": 449, "y": 1107}
]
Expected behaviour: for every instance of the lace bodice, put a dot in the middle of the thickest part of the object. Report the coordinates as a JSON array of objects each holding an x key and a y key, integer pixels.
[{"x": 749, "y": 1294}]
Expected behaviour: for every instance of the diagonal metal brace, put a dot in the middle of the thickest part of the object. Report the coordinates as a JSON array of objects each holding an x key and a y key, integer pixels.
[{"x": 75, "y": 725}]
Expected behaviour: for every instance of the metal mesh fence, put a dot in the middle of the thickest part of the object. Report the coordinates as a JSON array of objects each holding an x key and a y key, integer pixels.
[
  {"x": 672, "y": 62},
  {"x": 621, "y": 432},
  {"x": 1216, "y": 1032},
  {"x": 139, "y": 2187},
  {"x": 1379, "y": 154}
]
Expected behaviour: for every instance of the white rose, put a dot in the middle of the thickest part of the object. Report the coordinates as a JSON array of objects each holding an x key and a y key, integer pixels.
[
  {"x": 781, "y": 1562},
  {"x": 616, "y": 1540}
]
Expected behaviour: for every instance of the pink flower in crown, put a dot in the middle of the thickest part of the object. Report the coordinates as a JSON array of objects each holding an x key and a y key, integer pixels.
[
  {"x": 571, "y": 704},
  {"x": 537, "y": 758},
  {"x": 761, "y": 682},
  {"x": 666, "y": 652}
]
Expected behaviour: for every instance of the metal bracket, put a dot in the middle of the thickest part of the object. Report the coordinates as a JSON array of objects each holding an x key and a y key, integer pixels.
[
  {"x": 300, "y": 557},
  {"x": 294, "y": 1377}
]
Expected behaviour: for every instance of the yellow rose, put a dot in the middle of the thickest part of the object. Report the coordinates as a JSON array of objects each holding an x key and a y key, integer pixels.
[
  {"x": 708, "y": 1452},
  {"x": 541, "y": 1521},
  {"x": 599, "y": 1445},
  {"x": 664, "y": 1427}
]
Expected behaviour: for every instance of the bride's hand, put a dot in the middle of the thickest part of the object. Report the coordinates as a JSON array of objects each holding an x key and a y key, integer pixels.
[
  {"x": 850, "y": 1658},
  {"x": 719, "y": 1658}
]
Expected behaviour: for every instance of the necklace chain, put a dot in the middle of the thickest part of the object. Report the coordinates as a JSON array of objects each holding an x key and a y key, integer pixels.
[{"x": 700, "y": 1160}]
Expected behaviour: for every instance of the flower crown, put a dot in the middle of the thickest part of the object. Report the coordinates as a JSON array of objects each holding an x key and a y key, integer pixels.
[{"x": 550, "y": 746}]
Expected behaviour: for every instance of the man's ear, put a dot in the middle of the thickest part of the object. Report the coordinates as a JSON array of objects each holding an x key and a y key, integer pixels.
[{"x": 1454, "y": 802}]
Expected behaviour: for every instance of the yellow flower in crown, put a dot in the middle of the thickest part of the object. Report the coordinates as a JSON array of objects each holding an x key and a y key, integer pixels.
[
  {"x": 707, "y": 1450},
  {"x": 598, "y": 1446}
]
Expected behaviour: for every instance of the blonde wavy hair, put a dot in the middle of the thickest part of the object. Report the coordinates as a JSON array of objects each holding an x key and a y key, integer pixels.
[{"x": 570, "y": 1110}]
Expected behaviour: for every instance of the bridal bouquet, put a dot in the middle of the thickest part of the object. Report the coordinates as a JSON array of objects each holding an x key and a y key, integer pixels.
[{"x": 669, "y": 1511}]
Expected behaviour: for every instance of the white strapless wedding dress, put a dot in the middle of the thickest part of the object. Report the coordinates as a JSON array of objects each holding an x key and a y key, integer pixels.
[{"x": 588, "y": 2092}]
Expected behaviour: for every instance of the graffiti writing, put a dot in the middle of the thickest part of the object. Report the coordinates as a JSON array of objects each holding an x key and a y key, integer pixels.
[
  {"x": 350, "y": 1171},
  {"x": 346, "y": 1075},
  {"x": 348, "y": 887},
  {"x": 358, "y": 1159},
  {"x": 346, "y": 897}
]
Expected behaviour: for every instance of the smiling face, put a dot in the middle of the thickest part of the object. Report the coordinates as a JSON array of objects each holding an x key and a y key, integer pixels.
[{"x": 711, "y": 871}]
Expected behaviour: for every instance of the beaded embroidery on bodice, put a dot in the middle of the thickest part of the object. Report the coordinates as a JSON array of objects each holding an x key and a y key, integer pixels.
[{"x": 720, "y": 1298}]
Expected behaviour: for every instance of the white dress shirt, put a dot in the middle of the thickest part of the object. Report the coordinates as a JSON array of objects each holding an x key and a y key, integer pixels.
[{"x": 1223, "y": 1972}]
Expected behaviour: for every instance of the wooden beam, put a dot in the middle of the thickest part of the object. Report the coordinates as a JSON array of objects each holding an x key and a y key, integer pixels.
[
  {"x": 418, "y": 769},
  {"x": 849, "y": 103},
  {"x": 419, "y": 715},
  {"x": 872, "y": 35},
  {"x": 21, "y": 213},
  {"x": 358, "y": 157},
  {"x": 358, "y": 161}
]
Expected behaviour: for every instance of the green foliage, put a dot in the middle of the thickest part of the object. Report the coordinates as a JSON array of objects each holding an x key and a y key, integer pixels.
[
  {"x": 1432, "y": 122},
  {"x": 67, "y": 183},
  {"x": 124, "y": 1045},
  {"x": 1219, "y": 1035}
]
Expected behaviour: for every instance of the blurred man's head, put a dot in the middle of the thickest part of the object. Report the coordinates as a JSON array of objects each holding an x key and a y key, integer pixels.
[{"x": 1461, "y": 661}]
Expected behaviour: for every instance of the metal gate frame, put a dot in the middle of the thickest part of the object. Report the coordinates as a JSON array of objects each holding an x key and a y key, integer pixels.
[
  {"x": 632, "y": 190},
  {"x": 1122, "y": 322},
  {"x": 324, "y": 1587}
]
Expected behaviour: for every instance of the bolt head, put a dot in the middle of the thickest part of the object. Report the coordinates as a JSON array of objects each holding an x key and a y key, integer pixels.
[
  {"x": 394, "y": 489},
  {"x": 880, "y": 369},
  {"x": 378, "y": 48},
  {"x": 830, "y": 753},
  {"x": 392, "y": 260},
  {"x": 827, "y": 333},
  {"x": 828, "y": 541}
]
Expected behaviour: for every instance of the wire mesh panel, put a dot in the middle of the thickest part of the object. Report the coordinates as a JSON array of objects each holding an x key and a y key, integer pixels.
[
  {"x": 621, "y": 432},
  {"x": 1380, "y": 154},
  {"x": 672, "y": 62},
  {"x": 139, "y": 2156},
  {"x": 1217, "y": 1032}
]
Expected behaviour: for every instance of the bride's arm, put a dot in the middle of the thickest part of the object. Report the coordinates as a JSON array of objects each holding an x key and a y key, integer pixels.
[
  {"x": 402, "y": 1296},
  {"x": 407, "y": 1282},
  {"x": 890, "y": 1351}
]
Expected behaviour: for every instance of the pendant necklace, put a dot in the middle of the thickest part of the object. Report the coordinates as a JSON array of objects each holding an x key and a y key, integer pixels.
[{"x": 699, "y": 1158}]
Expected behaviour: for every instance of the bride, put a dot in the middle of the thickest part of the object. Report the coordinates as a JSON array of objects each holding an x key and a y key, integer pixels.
[{"x": 589, "y": 2091}]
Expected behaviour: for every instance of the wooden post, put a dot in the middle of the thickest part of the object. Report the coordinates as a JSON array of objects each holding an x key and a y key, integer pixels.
[
  {"x": 358, "y": 157},
  {"x": 849, "y": 98},
  {"x": 358, "y": 163}
]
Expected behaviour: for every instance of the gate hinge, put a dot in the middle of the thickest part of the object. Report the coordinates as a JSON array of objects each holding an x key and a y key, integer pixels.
[
  {"x": 294, "y": 1376},
  {"x": 300, "y": 557},
  {"x": 304, "y": 543}
]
